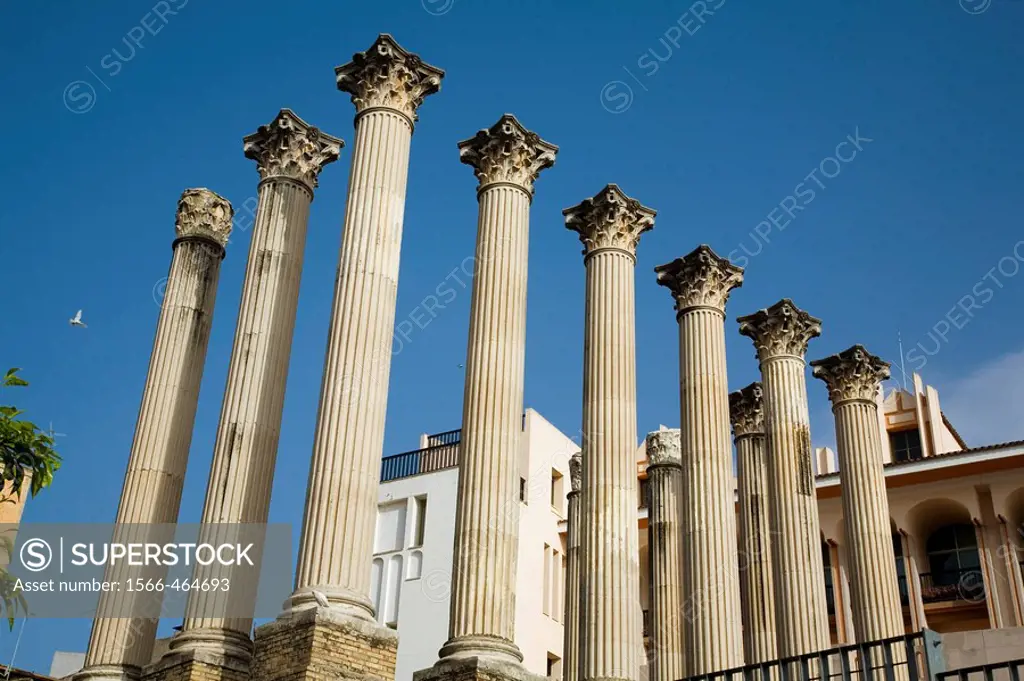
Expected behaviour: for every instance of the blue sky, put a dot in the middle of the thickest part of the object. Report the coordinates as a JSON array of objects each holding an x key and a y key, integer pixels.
[{"x": 712, "y": 120}]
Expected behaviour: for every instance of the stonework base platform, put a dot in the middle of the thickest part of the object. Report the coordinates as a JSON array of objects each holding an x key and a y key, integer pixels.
[
  {"x": 318, "y": 644},
  {"x": 476, "y": 669},
  {"x": 197, "y": 665}
]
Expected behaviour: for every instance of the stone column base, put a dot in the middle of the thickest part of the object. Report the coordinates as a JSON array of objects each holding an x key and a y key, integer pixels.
[
  {"x": 317, "y": 644},
  {"x": 197, "y": 665},
  {"x": 476, "y": 669}
]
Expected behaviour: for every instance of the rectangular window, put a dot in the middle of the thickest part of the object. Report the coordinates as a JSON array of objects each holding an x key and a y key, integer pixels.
[
  {"x": 390, "y": 527},
  {"x": 556, "y": 588},
  {"x": 905, "y": 445},
  {"x": 421, "y": 521},
  {"x": 522, "y": 490},
  {"x": 562, "y": 574},
  {"x": 546, "y": 596},
  {"x": 554, "y": 666},
  {"x": 645, "y": 493},
  {"x": 557, "y": 490}
]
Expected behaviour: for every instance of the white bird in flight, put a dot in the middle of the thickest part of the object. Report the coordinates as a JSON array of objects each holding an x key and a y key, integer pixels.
[{"x": 77, "y": 320}]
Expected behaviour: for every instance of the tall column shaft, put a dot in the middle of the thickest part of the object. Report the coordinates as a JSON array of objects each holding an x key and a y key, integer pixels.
[
  {"x": 573, "y": 584},
  {"x": 341, "y": 499},
  {"x": 245, "y": 449},
  {"x": 712, "y": 629},
  {"x": 610, "y": 534},
  {"x": 757, "y": 594},
  {"x": 507, "y": 159},
  {"x": 801, "y": 613},
  {"x": 610, "y": 225},
  {"x": 780, "y": 334},
  {"x": 331, "y": 631},
  {"x": 700, "y": 283},
  {"x": 853, "y": 378},
  {"x": 757, "y": 590},
  {"x": 665, "y": 533},
  {"x": 487, "y": 517},
  {"x": 387, "y": 85},
  {"x": 874, "y": 589},
  {"x": 119, "y": 646}
]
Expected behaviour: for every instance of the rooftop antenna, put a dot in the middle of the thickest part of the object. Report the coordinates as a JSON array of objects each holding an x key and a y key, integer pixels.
[
  {"x": 903, "y": 372},
  {"x": 7, "y": 672}
]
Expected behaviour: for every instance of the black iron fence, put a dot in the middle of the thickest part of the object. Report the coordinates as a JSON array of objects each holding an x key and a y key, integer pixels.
[
  {"x": 912, "y": 657},
  {"x": 999, "y": 671}
]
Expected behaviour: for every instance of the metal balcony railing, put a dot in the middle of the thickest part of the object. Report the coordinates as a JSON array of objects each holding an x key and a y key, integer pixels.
[
  {"x": 998, "y": 671},
  {"x": 442, "y": 453},
  {"x": 912, "y": 657},
  {"x": 448, "y": 437},
  {"x": 963, "y": 585}
]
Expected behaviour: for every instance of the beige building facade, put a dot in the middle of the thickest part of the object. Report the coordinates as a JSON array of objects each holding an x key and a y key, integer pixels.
[
  {"x": 957, "y": 516},
  {"x": 957, "y": 519}
]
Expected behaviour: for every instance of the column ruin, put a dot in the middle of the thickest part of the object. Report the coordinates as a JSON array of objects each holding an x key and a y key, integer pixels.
[
  {"x": 387, "y": 85},
  {"x": 506, "y": 159},
  {"x": 120, "y": 646},
  {"x": 665, "y": 533},
  {"x": 700, "y": 283},
  {"x": 757, "y": 591},
  {"x": 853, "y": 378},
  {"x": 289, "y": 155},
  {"x": 780, "y": 334},
  {"x": 573, "y": 582},
  {"x": 610, "y": 225}
]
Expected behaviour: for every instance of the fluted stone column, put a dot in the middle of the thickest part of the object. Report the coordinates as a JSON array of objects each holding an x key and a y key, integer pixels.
[
  {"x": 119, "y": 645},
  {"x": 700, "y": 283},
  {"x": 780, "y": 334},
  {"x": 507, "y": 159},
  {"x": 757, "y": 591},
  {"x": 573, "y": 583},
  {"x": 853, "y": 378},
  {"x": 387, "y": 85},
  {"x": 665, "y": 532},
  {"x": 289, "y": 155},
  {"x": 610, "y": 225}
]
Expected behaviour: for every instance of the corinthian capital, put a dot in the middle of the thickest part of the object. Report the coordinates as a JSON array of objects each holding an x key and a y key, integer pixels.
[
  {"x": 387, "y": 76},
  {"x": 289, "y": 147},
  {"x": 576, "y": 471},
  {"x": 610, "y": 219},
  {"x": 853, "y": 374},
  {"x": 203, "y": 214},
  {"x": 700, "y": 279},
  {"x": 782, "y": 329},
  {"x": 507, "y": 152},
  {"x": 746, "y": 410},
  {"x": 664, "y": 446}
]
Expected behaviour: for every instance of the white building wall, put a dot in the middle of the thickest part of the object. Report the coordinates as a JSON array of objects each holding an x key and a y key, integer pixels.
[
  {"x": 539, "y": 624},
  {"x": 411, "y": 583},
  {"x": 420, "y": 596}
]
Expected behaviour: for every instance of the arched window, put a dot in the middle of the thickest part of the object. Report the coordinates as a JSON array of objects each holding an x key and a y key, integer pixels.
[{"x": 954, "y": 561}]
